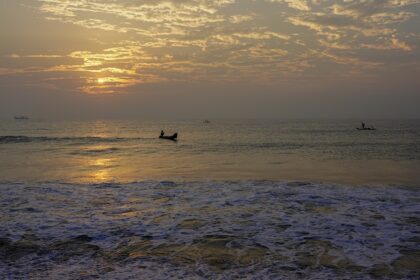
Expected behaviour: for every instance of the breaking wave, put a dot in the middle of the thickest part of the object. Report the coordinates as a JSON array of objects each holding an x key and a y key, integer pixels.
[
  {"x": 212, "y": 230},
  {"x": 28, "y": 139}
]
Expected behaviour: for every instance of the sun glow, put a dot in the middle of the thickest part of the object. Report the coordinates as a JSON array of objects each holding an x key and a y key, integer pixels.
[
  {"x": 108, "y": 85},
  {"x": 108, "y": 80},
  {"x": 101, "y": 80}
]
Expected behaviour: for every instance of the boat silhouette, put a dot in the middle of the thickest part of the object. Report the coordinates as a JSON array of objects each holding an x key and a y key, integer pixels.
[
  {"x": 171, "y": 137},
  {"x": 21, "y": 118},
  {"x": 366, "y": 128}
]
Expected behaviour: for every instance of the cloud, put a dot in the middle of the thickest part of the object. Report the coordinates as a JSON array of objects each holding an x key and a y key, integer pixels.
[
  {"x": 354, "y": 25},
  {"x": 158, "y": 41},
  {"x": 295, "y": 4},
  {"x": 35, "y": 56},
  {"x": 393, "y": 44}
]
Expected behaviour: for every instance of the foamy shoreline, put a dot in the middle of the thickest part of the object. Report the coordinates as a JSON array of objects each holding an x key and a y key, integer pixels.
[{"x": 208, "y": 229}]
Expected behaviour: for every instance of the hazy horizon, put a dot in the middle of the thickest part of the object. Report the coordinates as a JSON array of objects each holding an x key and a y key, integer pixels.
[{"x": 209, "y": 59}]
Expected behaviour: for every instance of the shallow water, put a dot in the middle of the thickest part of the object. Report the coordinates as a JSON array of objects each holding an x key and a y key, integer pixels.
[
  {"x": 126, "y": 151},
  {"x": 214, "y": 230}
]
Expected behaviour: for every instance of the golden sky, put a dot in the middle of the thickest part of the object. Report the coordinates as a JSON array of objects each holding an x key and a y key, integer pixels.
[{"x": 123, "y": 46}]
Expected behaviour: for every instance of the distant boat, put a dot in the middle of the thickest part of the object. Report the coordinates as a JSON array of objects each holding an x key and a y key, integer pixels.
[
  {"x": 366, "y": 128},
  {"x": 206, "y": 121},
  {"x": 21, "y": 118}
]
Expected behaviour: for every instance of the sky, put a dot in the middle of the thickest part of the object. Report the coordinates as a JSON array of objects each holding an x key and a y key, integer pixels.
[{"x": 210, "y": 59}]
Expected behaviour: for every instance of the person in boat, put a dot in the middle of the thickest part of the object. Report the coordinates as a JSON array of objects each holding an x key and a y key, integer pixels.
[{"x": 162, "y": 133}]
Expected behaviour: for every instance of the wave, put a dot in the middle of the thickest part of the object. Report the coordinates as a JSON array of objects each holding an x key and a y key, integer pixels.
[
  {"x": 209, "y": 229},
  {"x": 8, "y": 139},
  {"x": 96, "y": 151}
]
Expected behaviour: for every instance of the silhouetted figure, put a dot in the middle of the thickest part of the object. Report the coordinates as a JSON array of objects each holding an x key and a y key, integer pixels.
[
  {"x": 162, "y": 133},
  {"x": 364, "y": 127}
]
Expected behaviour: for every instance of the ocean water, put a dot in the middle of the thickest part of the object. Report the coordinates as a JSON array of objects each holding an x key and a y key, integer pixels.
[
  {"x": 127, "y": 151},
  {"x": 239, "y": 199}
]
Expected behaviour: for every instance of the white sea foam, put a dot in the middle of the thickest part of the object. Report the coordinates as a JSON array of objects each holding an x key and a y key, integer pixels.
[{"x": 212, "y": 229}]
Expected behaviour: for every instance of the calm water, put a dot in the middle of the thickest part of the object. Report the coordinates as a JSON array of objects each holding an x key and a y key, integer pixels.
[
  {"x": 229, "y": 200},
  {"x": 126, "y": 151}
]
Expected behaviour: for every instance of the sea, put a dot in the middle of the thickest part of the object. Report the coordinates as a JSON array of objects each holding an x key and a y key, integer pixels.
[{"x": 230, "y": 199}]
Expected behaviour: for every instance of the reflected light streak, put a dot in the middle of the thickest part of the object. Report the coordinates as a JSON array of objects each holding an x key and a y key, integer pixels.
[
  {"x": 102, "y": 171},
  {"x": 101, "y": 175}
]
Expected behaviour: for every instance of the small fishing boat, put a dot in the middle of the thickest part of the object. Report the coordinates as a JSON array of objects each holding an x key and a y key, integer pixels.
[
  {"x": 172, "y": 137},
  {"x": 21, "y": 118},
  {"x": 366, "y": 128}
]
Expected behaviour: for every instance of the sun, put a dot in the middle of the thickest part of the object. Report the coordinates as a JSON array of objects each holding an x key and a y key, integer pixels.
[{"x": 107, "y": 80}]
